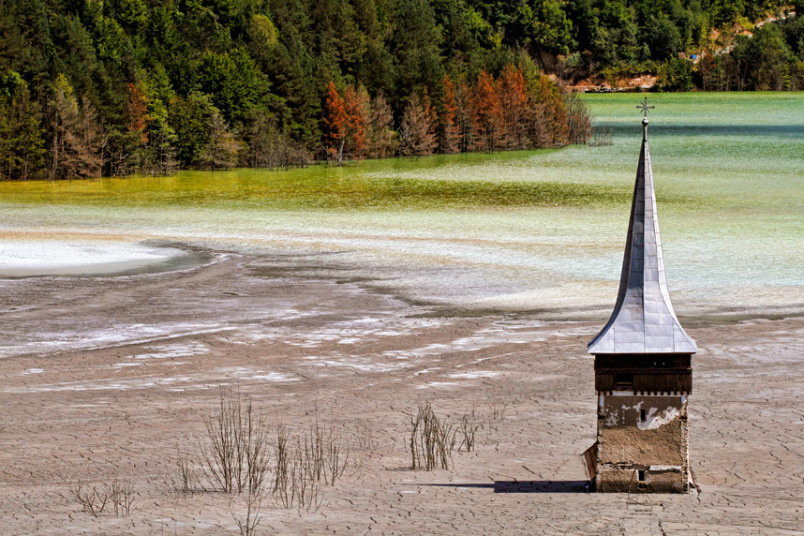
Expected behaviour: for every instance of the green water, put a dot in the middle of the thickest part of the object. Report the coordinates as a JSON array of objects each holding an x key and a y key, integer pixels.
[{"x": 523, "y": 230}]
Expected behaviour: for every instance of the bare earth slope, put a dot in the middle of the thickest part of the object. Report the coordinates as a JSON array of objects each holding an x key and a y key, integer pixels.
[{"x": 82, "y": 403}]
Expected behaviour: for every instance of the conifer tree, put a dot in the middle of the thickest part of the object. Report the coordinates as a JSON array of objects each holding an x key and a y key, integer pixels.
[
  {"x": 222, "y": 149},
  {"x": 464, "y": 117},
  {"x": 417, "y": 131},
  {"x": 449, "y": 128},
  {"x": 514, "y": 101},
  {"x": 189, "y": 118},
  {"x": 137, "y": 112},
  {"x": 380, "y": 134},
  {"x": 335, "y": 120},
  {"x": 78, "y": 139},
  {"x": 268, "y": 146},
  {"x": 548, "y": 106},
  {"x": 22, "y": 153},
  {"x": 357, "y": 107},
  {"x": 488, "y": 114},
  {"x": 161, "y": 140}
]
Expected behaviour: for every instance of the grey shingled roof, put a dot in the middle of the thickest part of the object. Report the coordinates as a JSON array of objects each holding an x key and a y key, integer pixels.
[{"x": 643, "y": 320}]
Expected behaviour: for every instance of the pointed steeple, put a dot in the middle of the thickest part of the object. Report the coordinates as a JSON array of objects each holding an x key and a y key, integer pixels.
[{"x": 643, "y": 320}]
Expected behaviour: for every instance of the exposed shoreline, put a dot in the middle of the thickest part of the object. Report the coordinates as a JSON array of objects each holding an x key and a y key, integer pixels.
[{"x": 117, "y": 327}]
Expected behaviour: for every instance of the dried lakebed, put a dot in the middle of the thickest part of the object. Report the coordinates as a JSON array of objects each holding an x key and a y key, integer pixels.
[{"x": 338, "y": 350}]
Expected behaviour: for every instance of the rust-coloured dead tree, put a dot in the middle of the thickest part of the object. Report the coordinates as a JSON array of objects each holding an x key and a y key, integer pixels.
[
  {"x": 488, "y": 114},
  {"x": 138, "y": 112},
  {"x": 335, "y": 120},
  {"x": 357, "y": 107},
  {"x": 514, "y": 102},
  {"x": 417, "y": 131},
  {"x": 548, "y": 106},
  {"x": 380, "y": 135}
]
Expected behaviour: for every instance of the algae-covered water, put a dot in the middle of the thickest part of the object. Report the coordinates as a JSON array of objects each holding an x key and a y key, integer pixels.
[{"x": 534, "y": 230}]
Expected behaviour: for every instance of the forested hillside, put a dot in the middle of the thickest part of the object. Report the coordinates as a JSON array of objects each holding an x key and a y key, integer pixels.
[{"x": 111, "y": 87}]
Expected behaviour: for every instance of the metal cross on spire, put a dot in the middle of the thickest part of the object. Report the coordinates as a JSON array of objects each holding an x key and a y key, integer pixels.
[{"x": 645, "y": 107}]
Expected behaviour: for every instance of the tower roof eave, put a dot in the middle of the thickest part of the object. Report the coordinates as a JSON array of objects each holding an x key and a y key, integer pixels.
[{"x": 616, "y": 341}]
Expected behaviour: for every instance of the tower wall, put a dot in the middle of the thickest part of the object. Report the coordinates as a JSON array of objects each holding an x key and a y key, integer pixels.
[{"x": 642, "y": 436}]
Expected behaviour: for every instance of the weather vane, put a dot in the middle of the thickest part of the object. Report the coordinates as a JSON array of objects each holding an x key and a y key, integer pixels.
[{"x": 645, "y": 107}]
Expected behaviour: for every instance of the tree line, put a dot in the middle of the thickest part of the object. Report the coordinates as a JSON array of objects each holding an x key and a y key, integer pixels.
[
  {"x": 519, "y": 109},
  {"x": 115, "y": 87}
]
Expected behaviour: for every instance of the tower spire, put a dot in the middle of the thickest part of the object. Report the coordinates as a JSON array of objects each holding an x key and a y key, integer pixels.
[{"x": 643, "y": 320}]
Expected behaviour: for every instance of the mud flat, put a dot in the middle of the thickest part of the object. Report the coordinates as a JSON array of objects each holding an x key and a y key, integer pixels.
[{"x": 119, "y": 370}]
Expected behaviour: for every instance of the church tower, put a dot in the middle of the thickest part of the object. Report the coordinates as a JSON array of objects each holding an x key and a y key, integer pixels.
[{"x": 643, "y": 372}]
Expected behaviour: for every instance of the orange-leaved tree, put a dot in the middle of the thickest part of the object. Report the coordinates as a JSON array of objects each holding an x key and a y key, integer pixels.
[
  {"x": 357, "y": 106},
  {"x": 488, "y": 114},
  {"x": 514, "y": 101},
  {"x": 335, "y": 119}
]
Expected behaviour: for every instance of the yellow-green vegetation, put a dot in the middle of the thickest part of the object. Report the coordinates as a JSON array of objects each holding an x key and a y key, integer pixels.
[{"x": 302, "y": 189}]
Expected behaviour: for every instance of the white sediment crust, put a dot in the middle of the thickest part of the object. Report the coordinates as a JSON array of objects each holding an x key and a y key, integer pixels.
[{"x": 25, "y": 258}]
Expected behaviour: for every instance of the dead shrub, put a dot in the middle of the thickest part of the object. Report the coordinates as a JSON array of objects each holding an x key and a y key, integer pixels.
[
  {"x": 365, "y": 439},
  {"x": 430, "y": 440},
  {"x": 234, "y": 454},
  {"x": 313, "y": 459},
  {"x": 324, "y": 455},
  {"x": 281, "y": 464},
  {"x": 497, "y": 411},
  {"x": 578, "y": 120},
  {"x": 121, "y": 495},
  {"x": 94, "y": 499},
  {"x": 465, "y": 431},
  {"x": 186, "y": 480},
  {"x": 248, "y": 524},
  {"x": 601, "y": 137},
  {"x": 304, "y": 486}
]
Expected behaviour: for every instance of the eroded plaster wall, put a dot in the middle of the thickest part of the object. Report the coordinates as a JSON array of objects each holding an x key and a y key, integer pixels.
[{"x": 642, "y": 443}]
